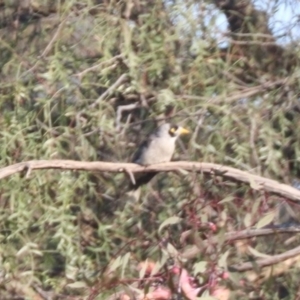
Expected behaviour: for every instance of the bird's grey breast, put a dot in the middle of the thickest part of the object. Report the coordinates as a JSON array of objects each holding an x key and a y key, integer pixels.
[{"x": 159, "y": 150}]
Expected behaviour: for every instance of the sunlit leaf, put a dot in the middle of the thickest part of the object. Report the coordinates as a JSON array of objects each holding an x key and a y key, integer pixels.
[
  {"x": 248, "y": 220},
  {"x": 222, "y": 262},
  {"x": 173, "y": 252},
  {"x": 207, "y": 298},
  {"x": 170, "y": 221},
  {"x": 199, "y": 267},
  {"x": 256, "y": 253},
  {"x": 77, "y": 285},
  {"x": 227, "y": 199},
  {"x": 265, "y": 220},
  {"x": 143, "y": 270},
  {"x": 117, "y": 262},
  {"x": 124, "y": 262},
  {"x": 254, "y": 185}
]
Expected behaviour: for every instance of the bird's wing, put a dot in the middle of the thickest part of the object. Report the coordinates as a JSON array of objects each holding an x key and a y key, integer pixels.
[
  {"x": 141, "y": 179},
  {"x": 144, "y": 145}
]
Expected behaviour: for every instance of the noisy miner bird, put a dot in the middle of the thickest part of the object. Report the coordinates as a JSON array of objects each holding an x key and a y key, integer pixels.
[{"x": 158, "y": 148}]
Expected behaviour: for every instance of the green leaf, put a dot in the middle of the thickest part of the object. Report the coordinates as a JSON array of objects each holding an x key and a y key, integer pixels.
[
  {"x": 125, "y": 260},
  {"x": 254, "y": 185},
  {"x": 77, "y": 285},
  {"x": 156, "y": 268},
  {"x": 267, "y": 219},
  {"x": 206, "y": 298},
  {"x": 170, "y": 221},
  {"x": 227, "y": 199},
  {"x": 199, "y": 267},
  {"x": 223, "y": 260},
  {"x": 248, "y": 220},
  {"x": 183, "y": 172},
  {"x": 256, "y": 253},
  {"x": 143, "y": 269},
  {"x": 172, "y": 250},
  {"x": 211, "y": 148},
  {"x": 116, "y": 264}
]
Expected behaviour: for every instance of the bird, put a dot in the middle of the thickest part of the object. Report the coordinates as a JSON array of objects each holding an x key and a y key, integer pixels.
[{"x": 159, "y": 147}]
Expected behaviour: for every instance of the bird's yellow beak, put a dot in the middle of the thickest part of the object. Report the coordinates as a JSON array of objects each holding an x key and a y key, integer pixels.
[{"x": 183, "y": 130}]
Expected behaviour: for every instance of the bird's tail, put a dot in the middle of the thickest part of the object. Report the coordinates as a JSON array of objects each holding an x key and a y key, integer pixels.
[
  {"x": 141, "y": 180},
  {"x": 135, "y": 188}
]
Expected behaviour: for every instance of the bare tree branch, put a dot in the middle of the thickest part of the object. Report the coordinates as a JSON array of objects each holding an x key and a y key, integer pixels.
[
  {"x": 250, "y": 233},
  {"x": 264, "y": 262},
  {"x": 255, "y": 181},
  {"x": 194, "y": 250}
]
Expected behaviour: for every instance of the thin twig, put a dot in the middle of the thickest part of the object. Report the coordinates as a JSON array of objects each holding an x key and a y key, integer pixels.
[
  {"x": 231, "y": 77},
  {"x": 131, "y": 176},
  {"x": 261, "y": 43},
  {"x": 256, "y": 34},
  {"x": 54, "y": 38},
  {"x": 120, "y": 110},
  {"x": 200, "y": 121},
  {"x": 99, "y": 65},
  {"x": 48, "y": 47},
  {"x": 97, "y": 130},
  {"x": 244, "y": 93},
  {"x": 123, "y": 78},
  {"x": 252, "y": 139}
]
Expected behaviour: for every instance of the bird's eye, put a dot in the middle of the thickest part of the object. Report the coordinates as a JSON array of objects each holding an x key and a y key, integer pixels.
[{"x": 173, "y": 130}]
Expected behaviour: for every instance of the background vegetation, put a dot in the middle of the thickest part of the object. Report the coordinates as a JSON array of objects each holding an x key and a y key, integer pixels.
[{"x": 87, "y": 80}]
